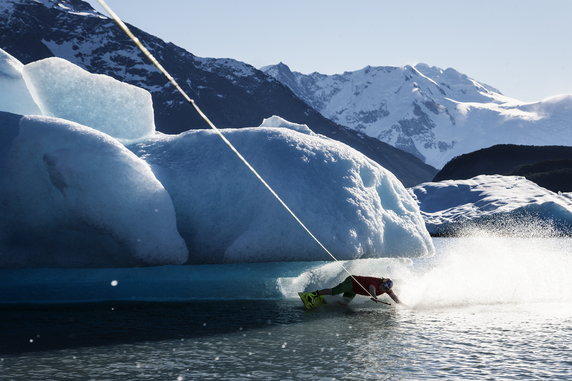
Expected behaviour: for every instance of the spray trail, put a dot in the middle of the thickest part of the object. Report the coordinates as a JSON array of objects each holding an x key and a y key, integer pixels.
[
  {"x": 499, "y": 270},
  {"x": 467, "y": 271}
]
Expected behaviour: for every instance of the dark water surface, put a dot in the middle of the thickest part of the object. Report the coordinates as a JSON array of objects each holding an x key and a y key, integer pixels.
[
  {"x": 279, "y": 340},
  {"x": 46, "y": 328}
]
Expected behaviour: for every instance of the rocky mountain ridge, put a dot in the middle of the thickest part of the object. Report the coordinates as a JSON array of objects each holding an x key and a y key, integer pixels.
[{"x": 547, "y": 166}]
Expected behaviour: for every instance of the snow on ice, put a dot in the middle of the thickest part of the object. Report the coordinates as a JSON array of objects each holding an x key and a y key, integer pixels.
[
  {"x": 357, "y": 208},
  {"x": 277, "y": 122},
  {"x": 73, "y": 195},
  {"x": 450, "y": 205}
]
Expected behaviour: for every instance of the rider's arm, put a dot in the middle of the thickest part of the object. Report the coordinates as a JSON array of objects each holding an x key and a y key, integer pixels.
[
  {"x": 372, "y": 291},
  {"x": 393, "y": 296}
]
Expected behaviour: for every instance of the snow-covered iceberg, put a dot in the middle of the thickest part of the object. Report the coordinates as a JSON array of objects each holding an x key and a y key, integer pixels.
[
  {"x": 73, "y": 196},
  {"x": 356, "y": 207},
  {"x": 111, "y": 192},
  {"x": 503, "y": 202},
  {"x": 278, "y": 122}
]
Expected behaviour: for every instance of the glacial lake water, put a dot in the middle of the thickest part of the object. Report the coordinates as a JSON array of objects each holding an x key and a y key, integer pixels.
[{"x": 481, "y": 309}]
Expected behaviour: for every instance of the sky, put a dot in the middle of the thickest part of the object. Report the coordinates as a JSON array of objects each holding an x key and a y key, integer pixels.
[{"x": 520, "y": 47}]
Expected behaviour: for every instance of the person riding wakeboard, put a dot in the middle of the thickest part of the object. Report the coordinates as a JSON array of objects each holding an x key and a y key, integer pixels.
[{"x": 356, "y": 284}]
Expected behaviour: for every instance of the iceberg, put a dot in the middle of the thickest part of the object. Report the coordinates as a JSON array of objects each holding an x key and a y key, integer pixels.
[
  {"x": 66, "y": 91},
  {"x": 71, "y": 196},
  {"x": 504, "y": 202},
  {"x": 91, "y": 184},
  {"x": 354, "y": 206},
  {"x": 14, "y": 95}
]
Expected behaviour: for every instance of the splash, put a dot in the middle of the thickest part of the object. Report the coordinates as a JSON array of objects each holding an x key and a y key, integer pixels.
[
  {"x": 524, "y": 224},
  {"x": 330, "y": 274},
  {"x": 484, "y": 269}
]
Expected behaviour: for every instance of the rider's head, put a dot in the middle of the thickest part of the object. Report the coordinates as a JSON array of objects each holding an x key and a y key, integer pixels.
[{"x": 386, "y": 283}]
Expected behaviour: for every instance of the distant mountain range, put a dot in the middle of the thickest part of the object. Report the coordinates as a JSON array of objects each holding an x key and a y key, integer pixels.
[
  {"x": 232, "y": 93},
  {"x": 432, "y": 113},
  {"x": 547, "y": 166}
]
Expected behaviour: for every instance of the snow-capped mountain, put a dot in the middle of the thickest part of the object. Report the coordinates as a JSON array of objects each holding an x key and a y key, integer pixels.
[
  {"x": 433, "y": 113},
  {"x": 232, "y": 93}
]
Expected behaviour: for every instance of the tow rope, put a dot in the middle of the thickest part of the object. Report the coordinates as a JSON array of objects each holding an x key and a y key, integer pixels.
[{"x": 155, "y": 62}]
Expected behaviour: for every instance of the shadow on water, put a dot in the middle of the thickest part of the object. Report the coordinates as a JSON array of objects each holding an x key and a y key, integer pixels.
[{"x": 43, "y": 328}]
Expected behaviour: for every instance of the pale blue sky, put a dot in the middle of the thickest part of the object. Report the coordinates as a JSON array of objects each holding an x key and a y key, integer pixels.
[{"x": 521, "y": 47}]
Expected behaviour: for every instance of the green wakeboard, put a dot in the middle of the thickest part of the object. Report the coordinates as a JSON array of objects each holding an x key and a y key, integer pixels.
[{"x": 311, "y": 300}]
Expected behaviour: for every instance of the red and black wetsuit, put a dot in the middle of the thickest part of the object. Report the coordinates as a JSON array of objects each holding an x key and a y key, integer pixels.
[
  {"x": 350, "y": 286},
  {"x": 366, "y": 281}
]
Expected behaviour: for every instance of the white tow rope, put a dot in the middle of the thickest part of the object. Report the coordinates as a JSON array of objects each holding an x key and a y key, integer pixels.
[{"x": 219, "y": 133}]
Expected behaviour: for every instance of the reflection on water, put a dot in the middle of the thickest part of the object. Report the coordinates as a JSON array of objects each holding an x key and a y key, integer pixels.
[
  {"x": 54, "y": 327},
  {"x": 281, "y": 341},
  {"x": 479, "y": 310}
]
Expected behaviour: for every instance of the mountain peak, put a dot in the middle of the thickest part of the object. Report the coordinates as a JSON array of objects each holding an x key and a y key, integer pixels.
[
  {"x": 280, "y": 67},
  {"x": 430, "y": 112}
]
